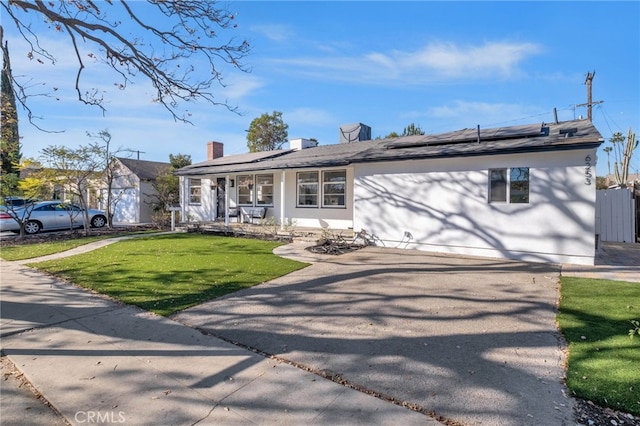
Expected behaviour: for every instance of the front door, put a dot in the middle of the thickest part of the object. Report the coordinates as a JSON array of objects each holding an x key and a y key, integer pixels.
[{"x": 221, "y": 198}]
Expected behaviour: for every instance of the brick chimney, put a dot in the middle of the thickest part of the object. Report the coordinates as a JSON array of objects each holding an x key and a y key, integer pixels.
[{"x": 215, "y": 150}]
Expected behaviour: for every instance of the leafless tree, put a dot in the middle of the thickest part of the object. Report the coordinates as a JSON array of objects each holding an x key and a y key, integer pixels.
[
  {"x": 164, "y": 41},
  {"x": 111, "y": 173},
  {"x": 76, "y": 170}
]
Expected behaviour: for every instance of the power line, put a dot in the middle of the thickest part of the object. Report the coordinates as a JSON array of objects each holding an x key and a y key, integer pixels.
[
  {"x": 136, "y": 151},
  {"x": 608, "y": 118}
]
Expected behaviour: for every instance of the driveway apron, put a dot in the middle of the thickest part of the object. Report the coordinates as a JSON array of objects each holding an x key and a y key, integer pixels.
[{"x": 470, "y": 340}]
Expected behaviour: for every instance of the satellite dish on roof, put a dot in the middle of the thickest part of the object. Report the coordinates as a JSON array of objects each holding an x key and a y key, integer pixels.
[{"x": 354, "y": 133}]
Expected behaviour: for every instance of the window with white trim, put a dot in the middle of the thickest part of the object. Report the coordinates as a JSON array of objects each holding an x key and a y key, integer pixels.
[
  {"x": 245, "y": 190},
  {"x": 195, "y": 191},
  {"x": 509, "y": 185},
  {"x": 264, "y": 190},
  {"x": 334, "y": 183},
  {"x": 307, "y": 189}
]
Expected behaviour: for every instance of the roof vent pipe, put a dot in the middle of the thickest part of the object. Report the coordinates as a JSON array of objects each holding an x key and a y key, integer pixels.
[
  {"x": 568, "y": 132},
  {"x": 478, "y": 133}
]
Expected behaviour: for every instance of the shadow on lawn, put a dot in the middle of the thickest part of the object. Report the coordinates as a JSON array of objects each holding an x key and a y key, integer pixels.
[{"x": 603, "y": 360}]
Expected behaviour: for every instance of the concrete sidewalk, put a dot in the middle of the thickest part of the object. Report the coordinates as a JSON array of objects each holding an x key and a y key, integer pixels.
[
  {"x": 95, "y": 359},
  {"x": 614, "y": 261}
]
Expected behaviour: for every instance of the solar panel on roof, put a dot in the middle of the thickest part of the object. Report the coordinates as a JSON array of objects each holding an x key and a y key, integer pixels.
[{"x": 470, "y": 135}]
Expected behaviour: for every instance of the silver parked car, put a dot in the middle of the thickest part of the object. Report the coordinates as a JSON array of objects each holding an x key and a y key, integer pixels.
[
  {"x": 14, "y": 202},
  {"x": 49, "y": 216}
]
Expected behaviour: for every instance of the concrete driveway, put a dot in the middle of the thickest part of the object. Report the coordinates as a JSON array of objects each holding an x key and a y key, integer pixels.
[{"x": 469, "y": 340}]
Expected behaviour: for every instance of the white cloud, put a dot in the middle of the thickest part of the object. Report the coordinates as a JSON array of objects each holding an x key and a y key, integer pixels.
[
  {"x": 463, "y": 108},
  {"x": 434, "y": 63},
  {"x": 240, "y": 85},
  {"x": 278, "y": 33},
  {"x": 332, "y": 46},
  {"x": 450, "y": 60}
]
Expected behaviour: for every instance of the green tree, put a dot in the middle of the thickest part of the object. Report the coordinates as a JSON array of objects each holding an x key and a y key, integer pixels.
[
  {"x": 31, "y": 184},
  {"x": 607, "y": 151},
  {"x": 160, "y": 41},
  {"x": 267, "y": 132},
  {"x": 617, "y": 142},
  {"x": 392, "y": 135},
  {"x": 601, "y": 182},
  {"x": 412, "y": 130},
  {"x": 167, "y": 186},
  {"x": 9, "y": 137},
  {"x": 179, "y": 161}
]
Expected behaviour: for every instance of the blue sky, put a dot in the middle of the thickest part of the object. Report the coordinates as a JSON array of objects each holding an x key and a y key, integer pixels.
[{"x": 440, "y": 65}]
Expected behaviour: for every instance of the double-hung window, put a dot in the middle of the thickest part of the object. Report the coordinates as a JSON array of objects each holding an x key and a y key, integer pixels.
[
  {"x": 509, "y": 185},
  {"x": 195, "y": 191},
  {"x": 334, "y": 183},
  {"x": 264, "y": 190},
  {"x": 328, "y": 187},
  {"x": 245, "y": 190},
  {"x": 307, "y": 189}
]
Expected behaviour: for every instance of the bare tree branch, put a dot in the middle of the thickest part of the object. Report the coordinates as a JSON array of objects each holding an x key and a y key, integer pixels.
[{"x": 167, "y": 53}]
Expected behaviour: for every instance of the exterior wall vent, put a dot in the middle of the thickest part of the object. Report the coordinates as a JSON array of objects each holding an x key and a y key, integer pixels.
[{"x": 354, "y": 133}]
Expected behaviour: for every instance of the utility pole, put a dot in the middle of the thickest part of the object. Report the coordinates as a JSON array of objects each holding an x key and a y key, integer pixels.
[
  {"x": 590, "y": 103},
  {"x": 136, "y": 151}
]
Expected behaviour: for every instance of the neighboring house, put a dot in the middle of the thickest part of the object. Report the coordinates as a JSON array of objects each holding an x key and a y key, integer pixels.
[
  {"x": 633, "y": 180},
  {"x": 521, "y": 192},
  {"x": 65, "y": 192},
  {"x": 133, "y": 191}
]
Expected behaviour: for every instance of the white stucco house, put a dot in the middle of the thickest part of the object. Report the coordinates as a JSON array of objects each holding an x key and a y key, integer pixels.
[
  {"x": 522, "y": 192},
  {"x": 132, "y": 189}
]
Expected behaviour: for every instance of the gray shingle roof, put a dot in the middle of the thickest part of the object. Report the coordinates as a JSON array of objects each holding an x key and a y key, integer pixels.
[
  {"x": 145, "y": 170},
  {"x": 578, "y": 134},
  {"x": 234, "y": 160}
]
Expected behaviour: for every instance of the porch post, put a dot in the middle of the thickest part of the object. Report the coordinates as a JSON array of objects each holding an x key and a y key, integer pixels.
[
  {"x": 226, "y": 200},
  {"x": 282, "y": 199},
  {"x": 183, "y": 199}
]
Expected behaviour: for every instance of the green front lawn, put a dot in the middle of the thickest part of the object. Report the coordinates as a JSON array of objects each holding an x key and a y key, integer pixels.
[
  {"x": 169, "y": 273},
  {"x": 30, "y": 251},
  {"x": 604, "y": 362}
]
